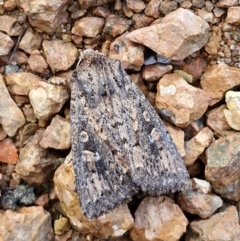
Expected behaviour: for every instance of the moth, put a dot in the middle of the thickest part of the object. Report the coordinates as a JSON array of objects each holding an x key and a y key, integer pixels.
[{"x": 119, "y": 143}]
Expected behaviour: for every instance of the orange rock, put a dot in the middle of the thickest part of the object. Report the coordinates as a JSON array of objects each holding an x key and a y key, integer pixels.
[{"x": 8, "y": 152}]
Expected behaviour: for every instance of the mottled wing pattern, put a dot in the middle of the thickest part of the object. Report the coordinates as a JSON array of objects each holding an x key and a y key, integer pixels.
[{"x": 119, "y": 142}]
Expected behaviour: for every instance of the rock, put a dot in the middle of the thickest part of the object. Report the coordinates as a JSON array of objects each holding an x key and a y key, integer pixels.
[
  {"x": 203, "y": 205},
  {"x": 196, "y": 67},
  {"x": 101, "y": 11},
  {"x": 233, "y": 16},
  {"x": 60, "y": 55},
  {"x": 178, "y": 101},
  {"x": 9, "y": 25},
  {"x": 6, "y": 44},
  {"x": 116, "y": 25},
  {"x": 2, "y": 134},
  {"x": 37, "y": 222},
  {"x": 22, "y": 83},
  {"x": 130, "y": 54},
  {"x": 178, "y": 137},
  {"x": 205, "y": 15},
  {"x": 25, "y": 132},
  {"x": 9, "y": 108},
  {"x": 167, "y": 7},
  {"x": 152, "y": 9},
  {"x": 8, "y": 152},
  {"x": 227, "y": 3},
  {"x": 34, "y": 164},
  {"x": 19, "y": 57},
  {"x": 61, "y": 226},
  {"x": 141, "y": 20},
  {"x": 81, "y": 27},
  {"x": 57, "y": 135},
  {"x": 92, "y": 3},
  {"x": 136, "y": 5},
  {"x": 232, "y": 114},
  {"x": 158, "y": 218},
  {"x": 218, "y": 79},
  {"x": 223, "y": 166},
  {"x": 113, "y": 224},
  {"x": 30, "y": 41},
  {"x": 217, "y": 121},
  {"x": 19, "y": 195},
  {"x": 45, "y": 16},
  {"x": 47, "y": 99},
  {"x": 221, "y": 226},
  {"x": 157, "y": 36},
  {"x": 155, "y": 71},
  {"x": 185, "y": 75},
  {"x": 37, "y": 63},
  {"x": 201, "y": 186},
  {"x": 213, "y": 45},
  {"x": 42, "y": 200},
  {"x": 197, "y": 145}
]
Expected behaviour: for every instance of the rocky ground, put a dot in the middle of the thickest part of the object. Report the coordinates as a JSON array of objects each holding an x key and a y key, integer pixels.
[{"x": 183, "y": 55}]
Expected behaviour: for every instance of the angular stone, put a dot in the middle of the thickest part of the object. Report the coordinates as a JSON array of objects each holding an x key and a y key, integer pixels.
[
  {"x": 22, "y": 83},
  {"x": 45, "y": 15},
  {"x": 218, "y": 79},
  {"x": 203, "y": 205},
  {"x": 178, "y": 137},
  {"x": 152, "y": 8},
  {"x": 197, "y": 145},
  {"x": 29, "y": 166},
  {"x": 36, "y": 220},
  {"x": 8, "y": 108},
  {"x": 213, "y": 45},
  {"x": 221, "y": 226},
  {"x": 196, "y": 67},
  {"x": 8, "y": 152},
  {"x": 217, "y": 121},
  {"x": 47, "y": 99},
  {"x": 136, "y": 5},
  {"x": 180, "y": 102},
  {"x": 37, "y": 63},
  {"x": 223, "y": 166},
  {"x": 232, "y": 114},
  {"x": 30, "y": 41},
  {"x": 6, "y": 44},
  {"x": 155, "y": 71},
  {"x": 227, "y": 3},
  {"x": 233, "y": 16},
  {"x": 57, "y": 135},
  {"x": 81, "y": 27},
  {"x": 130, "y": 54},
  {"x": 158, "y": 218},
  {"x": 201, "y": 186},
  {"x": 141, "y": 20},
  {"x": 116, "y": 25},
  {"x": 166, "y": 37},
  {"x": 9, "y": 25},
  {"x": 113, "y": 224},
  {"x": 60, "y": 55},
  {"x": 167, "y": 7},
  {"x": 92, "y": 3}
]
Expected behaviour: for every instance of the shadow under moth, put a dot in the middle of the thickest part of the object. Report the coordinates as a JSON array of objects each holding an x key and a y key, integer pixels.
[{"x": 119, "y": 143}]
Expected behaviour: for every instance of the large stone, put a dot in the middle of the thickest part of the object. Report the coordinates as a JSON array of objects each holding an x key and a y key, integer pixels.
[
  {"x": 8, "y": 108},
  {"x": 6, "y": 44},
  {"x": 47, "y": 99},
  {"x": 130, "y": 54},
  {"x": 60, "y": 55},
  {"x": 113, "y": 224},
  {"x": 167, "y": 38},
  {"x": 26, "y": 223},
  {"x": 178, "y": 101},
  {"x": 218, "y": 79},
  {"x": 222, "y": 226},
  {"x": 158, "y": 218},
  {"x": 45, "y": 15},
  {"x": 223, "y": 166}
]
